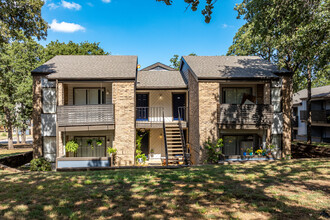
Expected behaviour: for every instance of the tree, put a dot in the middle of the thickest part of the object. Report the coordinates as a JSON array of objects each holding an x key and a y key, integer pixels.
[
  {"x": 84, "y": 48},
  {"x": 175, "y": 60},
  {"x": 291, "y": 34},
  {"x": 193, "y": 4},
  {"x": 24, "y": 16},
  {"x": 18, "y": 58}
]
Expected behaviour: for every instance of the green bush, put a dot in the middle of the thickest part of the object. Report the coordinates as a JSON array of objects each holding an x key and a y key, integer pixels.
[
  {"x": 40, "y": 164},
  {"x": 213, "y": 150}
]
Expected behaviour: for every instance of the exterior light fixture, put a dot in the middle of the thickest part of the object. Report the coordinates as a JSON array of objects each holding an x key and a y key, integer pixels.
[
  {"x": 138, "y": 66},
  {"x": 160, "y": 96},
  {"x": 161, "y": 136}
]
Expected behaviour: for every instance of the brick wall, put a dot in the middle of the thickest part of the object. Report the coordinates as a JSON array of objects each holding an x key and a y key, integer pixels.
[
  {"x": 36, "y": 117},
  {"x": 208, "y": 101},
  {"x": 193, "y": 114},
  {"x": 124, "y": 141}
]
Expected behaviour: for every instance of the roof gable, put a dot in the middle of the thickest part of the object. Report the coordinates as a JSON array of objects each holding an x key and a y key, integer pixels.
[{"x": 158, "y": 67}]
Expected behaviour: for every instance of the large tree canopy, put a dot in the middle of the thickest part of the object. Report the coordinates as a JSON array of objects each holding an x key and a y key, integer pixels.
[
  {"x": 85, "y": 48},
  {"x": 21, "y": 16},
  {"x": 292, "y": 34}
]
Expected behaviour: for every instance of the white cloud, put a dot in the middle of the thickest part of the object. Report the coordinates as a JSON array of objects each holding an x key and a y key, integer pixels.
[
  {"x": 52, "y": 6},
  {"x": 65, "y": 27},
  {"x": 90, "y": 4},
  {"x": 106, "y": 1},
  {"x": 71, "y": 5}
]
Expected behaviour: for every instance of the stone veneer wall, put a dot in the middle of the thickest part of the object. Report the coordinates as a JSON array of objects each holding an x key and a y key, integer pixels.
[
  {"x": 286, "y": 109},
  {"x": 208, "y": 101},
  {"x": 36, "y": 117},
  {"x": 193, "y": 115},
  {"x": 124, "y": 141}
]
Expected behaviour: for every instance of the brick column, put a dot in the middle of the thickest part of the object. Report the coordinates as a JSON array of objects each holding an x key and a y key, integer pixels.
[
  {"x": 124, "y": 140},
  {"x": 36, "y": 117},
  {"x": 193, "y": 114},
  {"x": 286, "y": 109},
  {"x": 208, "y": 103}
]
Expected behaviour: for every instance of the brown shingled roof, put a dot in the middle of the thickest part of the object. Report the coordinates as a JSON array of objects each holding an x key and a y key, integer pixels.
[
  {"x": 229, "y": 67},
  {"x": 317, "y": 93},
  {"x": 89, "y": 67},
  {"x": 160, "y": 80}
]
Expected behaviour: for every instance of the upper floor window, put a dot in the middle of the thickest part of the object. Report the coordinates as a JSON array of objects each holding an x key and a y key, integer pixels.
[
  {"x": 238, "y": 96},
  {"x": 89, "y": 96}
]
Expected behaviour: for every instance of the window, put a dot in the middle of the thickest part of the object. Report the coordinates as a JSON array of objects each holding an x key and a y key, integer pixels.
[
  {"x": 89, "y": 96},
  {"x": 236, "y": 95}
]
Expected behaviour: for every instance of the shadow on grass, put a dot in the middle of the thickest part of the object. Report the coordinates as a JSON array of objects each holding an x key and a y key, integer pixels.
[{"x": 259, "y": 190}]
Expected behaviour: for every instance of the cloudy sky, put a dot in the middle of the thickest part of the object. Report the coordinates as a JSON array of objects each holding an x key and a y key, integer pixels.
[{"x": 149, "y": 29}]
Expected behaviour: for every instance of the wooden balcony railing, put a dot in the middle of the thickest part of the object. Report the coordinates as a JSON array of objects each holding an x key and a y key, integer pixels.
[
  {"x": 232, "y": 114},
  {"x": 75, "y": 115},
  {"x": 321, "y": 116}
]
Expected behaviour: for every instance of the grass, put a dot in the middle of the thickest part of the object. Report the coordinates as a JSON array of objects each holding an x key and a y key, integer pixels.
[
  {"x": 294, "y": 189},
  {"x": 16, "y": 151}
]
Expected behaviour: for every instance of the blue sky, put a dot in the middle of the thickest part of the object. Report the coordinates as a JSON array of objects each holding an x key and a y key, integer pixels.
[{"x": 149, "y": 29}]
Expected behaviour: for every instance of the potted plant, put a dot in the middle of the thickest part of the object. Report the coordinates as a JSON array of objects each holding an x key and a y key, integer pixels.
[
  {"x": 111, "y": 151},
  {"x": 258, "y": 152},
  {"x": 99, "y": 142},
  {"x": 71, "y": 146},
  {"x": 270, "y": 149},
  {"x": 264, "y": 151},
  {"x": 89, "y": 142},
  {"x": 250, "y": 151}
]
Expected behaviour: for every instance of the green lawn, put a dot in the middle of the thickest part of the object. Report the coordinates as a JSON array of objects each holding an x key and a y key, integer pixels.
[
  {"x": 319, "y": 144},
  {"x": 16, "y": 151},
  {"x": 296, "y": 189}
]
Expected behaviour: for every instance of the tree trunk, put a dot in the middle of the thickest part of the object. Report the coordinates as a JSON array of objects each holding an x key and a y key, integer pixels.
[
  {"x": 10, "y": 136},
  {"x": 10, "y": 129},
  {"x": 23, "y": 136},
  {"x": 309, "y": 105},
  {"x": 17, "y": 135}
]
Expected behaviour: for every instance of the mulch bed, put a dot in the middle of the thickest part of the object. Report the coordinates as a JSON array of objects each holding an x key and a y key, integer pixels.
[{"x": 301, "y": 150}]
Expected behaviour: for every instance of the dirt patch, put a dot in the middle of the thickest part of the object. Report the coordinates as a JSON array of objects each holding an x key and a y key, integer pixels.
[{"x": 300, "y": 150}]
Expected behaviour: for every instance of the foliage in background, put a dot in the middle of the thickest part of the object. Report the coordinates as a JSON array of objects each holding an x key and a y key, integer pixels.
[
  {"x": 40, "y": 164},
  {"x": 71, "y": 146},
  {"x": 193, "y": 4},
  {"x": 291, "y": 34},
  {"x": 213, "y": 149},
  {"x": 17, "y": 60},
  {"x": 175, "y": 61},
  {"x": 84, "y": 48},
  {"x": 21, "y": 16}
]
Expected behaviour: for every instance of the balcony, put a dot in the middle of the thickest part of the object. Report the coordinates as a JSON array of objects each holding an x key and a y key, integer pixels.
[
  {"x": 256, "y": 115},
  {"x": 152, "y": 117},
  {"x": 318, "y": 116},
  {"x": 84, "y": 115}
]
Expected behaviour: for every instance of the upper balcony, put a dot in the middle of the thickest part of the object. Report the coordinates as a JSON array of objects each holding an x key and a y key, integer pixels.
[
  {"x": 85, "y": 115},
  {"x": 153, "y": 117},
  {"x": 258, "y": 115},
  {"x": 318, "y": 116}
]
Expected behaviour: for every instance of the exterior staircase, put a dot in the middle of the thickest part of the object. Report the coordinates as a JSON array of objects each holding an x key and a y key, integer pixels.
[{"x": 174, "y": 143}]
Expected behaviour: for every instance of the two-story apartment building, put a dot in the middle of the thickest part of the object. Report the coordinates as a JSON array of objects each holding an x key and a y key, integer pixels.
[
  {"x": 244, "y": 100},
  {"x": 320, "y": 110}
]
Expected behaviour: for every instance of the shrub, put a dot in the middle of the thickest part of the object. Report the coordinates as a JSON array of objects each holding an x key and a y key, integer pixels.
[
  {"x": 213, "y": 150},
  {"x": 111, "y": 150},
  {"x": 71, "y": 146},
  {"x": 40, "y": 164}
]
